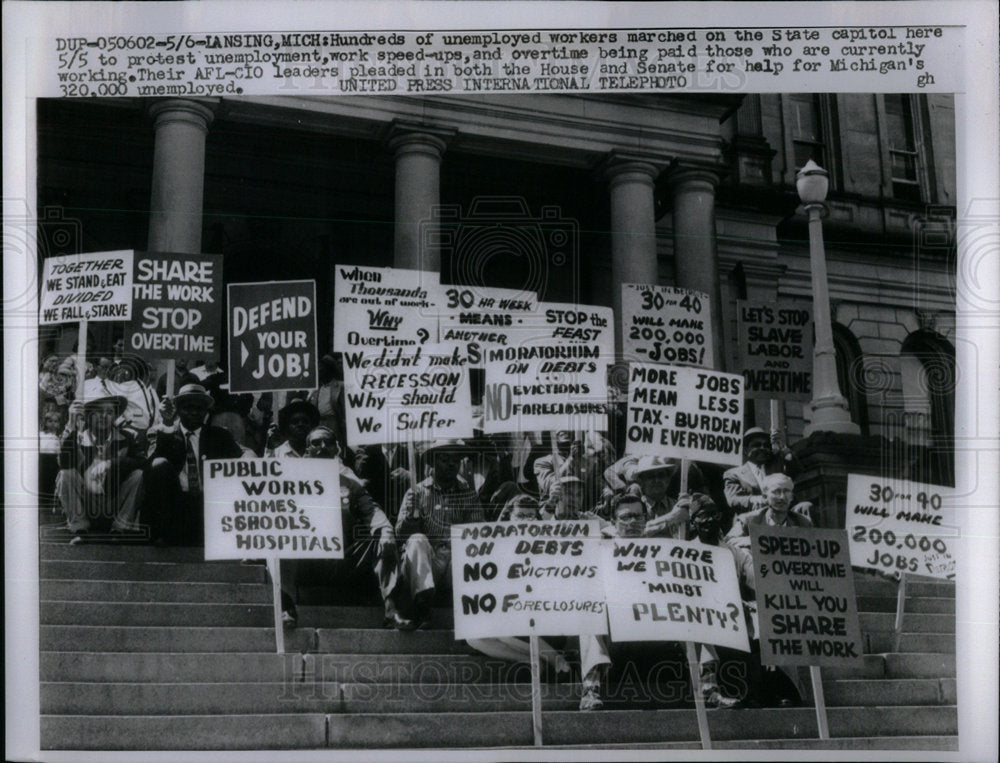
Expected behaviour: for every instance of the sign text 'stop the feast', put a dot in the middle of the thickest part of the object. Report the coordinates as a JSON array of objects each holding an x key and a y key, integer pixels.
[
  {"x": 272, "y": 336},
  {"x": 177, "y": 306},
  {"x": 86, "y": 287},
  {"x": 664, "y": 324}
]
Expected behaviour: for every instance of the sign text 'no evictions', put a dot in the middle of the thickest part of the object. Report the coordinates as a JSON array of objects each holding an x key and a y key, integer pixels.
[
  {"x": 527, "y": 578},
  {"x": 272, "y": 336}
]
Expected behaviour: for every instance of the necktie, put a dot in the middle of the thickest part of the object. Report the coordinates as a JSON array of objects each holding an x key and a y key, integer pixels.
[{"x": 194, "y": 483}]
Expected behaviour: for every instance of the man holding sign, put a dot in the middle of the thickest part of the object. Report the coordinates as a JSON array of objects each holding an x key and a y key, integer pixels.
[
  {"x": 428, "y": 511},
  {"x": 175, "y": 479}
]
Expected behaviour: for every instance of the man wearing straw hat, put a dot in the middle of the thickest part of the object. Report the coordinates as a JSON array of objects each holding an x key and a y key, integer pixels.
[
  {"x": 174, "y": 494},
  {"x": 100, "y": 466},
  {"x": 426, "y": 515}
]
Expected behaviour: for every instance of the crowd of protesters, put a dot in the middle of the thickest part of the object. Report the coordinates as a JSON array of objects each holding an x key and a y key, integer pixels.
[{"x": 121, "y": 458}]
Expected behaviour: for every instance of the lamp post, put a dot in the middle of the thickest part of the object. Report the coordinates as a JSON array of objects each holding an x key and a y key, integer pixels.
[{"x": 828, "y": 406}]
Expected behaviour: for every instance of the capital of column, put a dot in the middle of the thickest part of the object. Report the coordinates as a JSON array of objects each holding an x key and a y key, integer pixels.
[
  {"x": 620, "y": 167},
  {"x": 198, "y": 113},
  {"x": 687, "y": 176},
  {"x": 412, "y": 138}
]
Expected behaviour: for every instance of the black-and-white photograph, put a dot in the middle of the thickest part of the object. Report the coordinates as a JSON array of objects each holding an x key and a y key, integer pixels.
[{"x": 455, "y": 419}]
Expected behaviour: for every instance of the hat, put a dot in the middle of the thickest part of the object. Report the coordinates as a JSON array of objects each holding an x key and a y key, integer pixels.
[
  {"x": 755, "y": 432},
  {"x": 438, "y": 445},
  {"x": 194, "y": 393},
  {"x": 298, "y": 406},
  {"x": 570, "y": 478},
  {"x": 649, "y": 464},
  {"x": 702, "y": 504},
  {"x": 95, "y": 395}
]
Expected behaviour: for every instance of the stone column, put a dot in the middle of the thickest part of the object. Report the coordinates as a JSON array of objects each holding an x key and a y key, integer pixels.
[
  {"x": 175, "y": 218},
  {"x": 633, "y": 228},
  {"x": 418, "y": 151},
  {"x": 695, "y": 254}
]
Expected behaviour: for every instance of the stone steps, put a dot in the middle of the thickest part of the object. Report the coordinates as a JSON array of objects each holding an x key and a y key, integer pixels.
[
  {"x": 347, "y": 640},
  {"x": 86, "y": 698},
  {"x": 476, "y": 729},
  {"x": 131, "y": 636}
]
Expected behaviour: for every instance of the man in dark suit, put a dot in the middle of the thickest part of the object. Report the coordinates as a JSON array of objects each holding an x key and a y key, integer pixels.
[
  {"x": 744, "y": 484},
  {"x": 174, "y": 507}
]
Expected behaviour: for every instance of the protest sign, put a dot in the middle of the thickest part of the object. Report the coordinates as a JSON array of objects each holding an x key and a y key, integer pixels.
[
  {"x": 384, "y": 307},
  {"x": 176, "y": 306},
  {"x": 901, "y": 526},
  {"x": 272, "y": 336},
  {"x": 407, "y": 393},
  {"x": 270, "y": 508},
  {"x": 482, "y": 317},
  {"x": 86, "y": 287},
  {"x": 684, "y": 413},
  {"x": 776, "y": 349},
  {"x": 554, "y": 376},
  {"x": 805, "y": 596},
  {"x": 663, "y": 324},
  {"x": 673, "y": 590},
  {"x": 527, "y": 578}
]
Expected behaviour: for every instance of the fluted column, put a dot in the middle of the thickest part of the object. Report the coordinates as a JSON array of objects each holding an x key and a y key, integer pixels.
[
  {"x": 695, "y": 254},
  {"x": 633, "y": 227},
  {"x": 418, "y": 153},
  {"x": 175, "y": 219}
]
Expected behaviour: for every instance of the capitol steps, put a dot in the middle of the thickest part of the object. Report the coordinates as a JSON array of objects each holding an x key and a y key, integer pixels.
[{"x": 145, "y": 648}]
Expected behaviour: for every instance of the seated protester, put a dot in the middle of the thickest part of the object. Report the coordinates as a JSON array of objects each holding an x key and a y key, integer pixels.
[
  {"x": 520, "y": 508},
  {"x": 426, "y": 515},
  {"x": 487, "y": 468},
  {"x": 629, "y": 517},
  {"x": 652, "y": 476},
  {"x": 742, "y": 484},
  {"x": 369, "y": 538},
  {"x": 618, "y": 476},
  {"x": 768, "y": 685},
  {"x": 383, "y": 469},
  {"x": 129, "y": 379},
  {"x": 567, "y": 502},
  {"x": 100, "y": 467},
  {"x": 174, "y": 506},
  {"x": 288, "y": 435},
  {"x": 584, "y": 456},
  {"x": 775, "y": 512},
  {"x": 233, "y": 423}
]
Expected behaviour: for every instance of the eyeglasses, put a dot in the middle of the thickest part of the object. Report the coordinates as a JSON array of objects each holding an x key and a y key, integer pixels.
[{"x": 325, "y": 441}]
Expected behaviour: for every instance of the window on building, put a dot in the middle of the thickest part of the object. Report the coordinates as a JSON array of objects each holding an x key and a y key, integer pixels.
[
  {"x": 806, "y": 116},
  {"x": 851, "y": 375},
  {"x": 904, "y": 167},
  {"x": 928, "y": 364}
]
